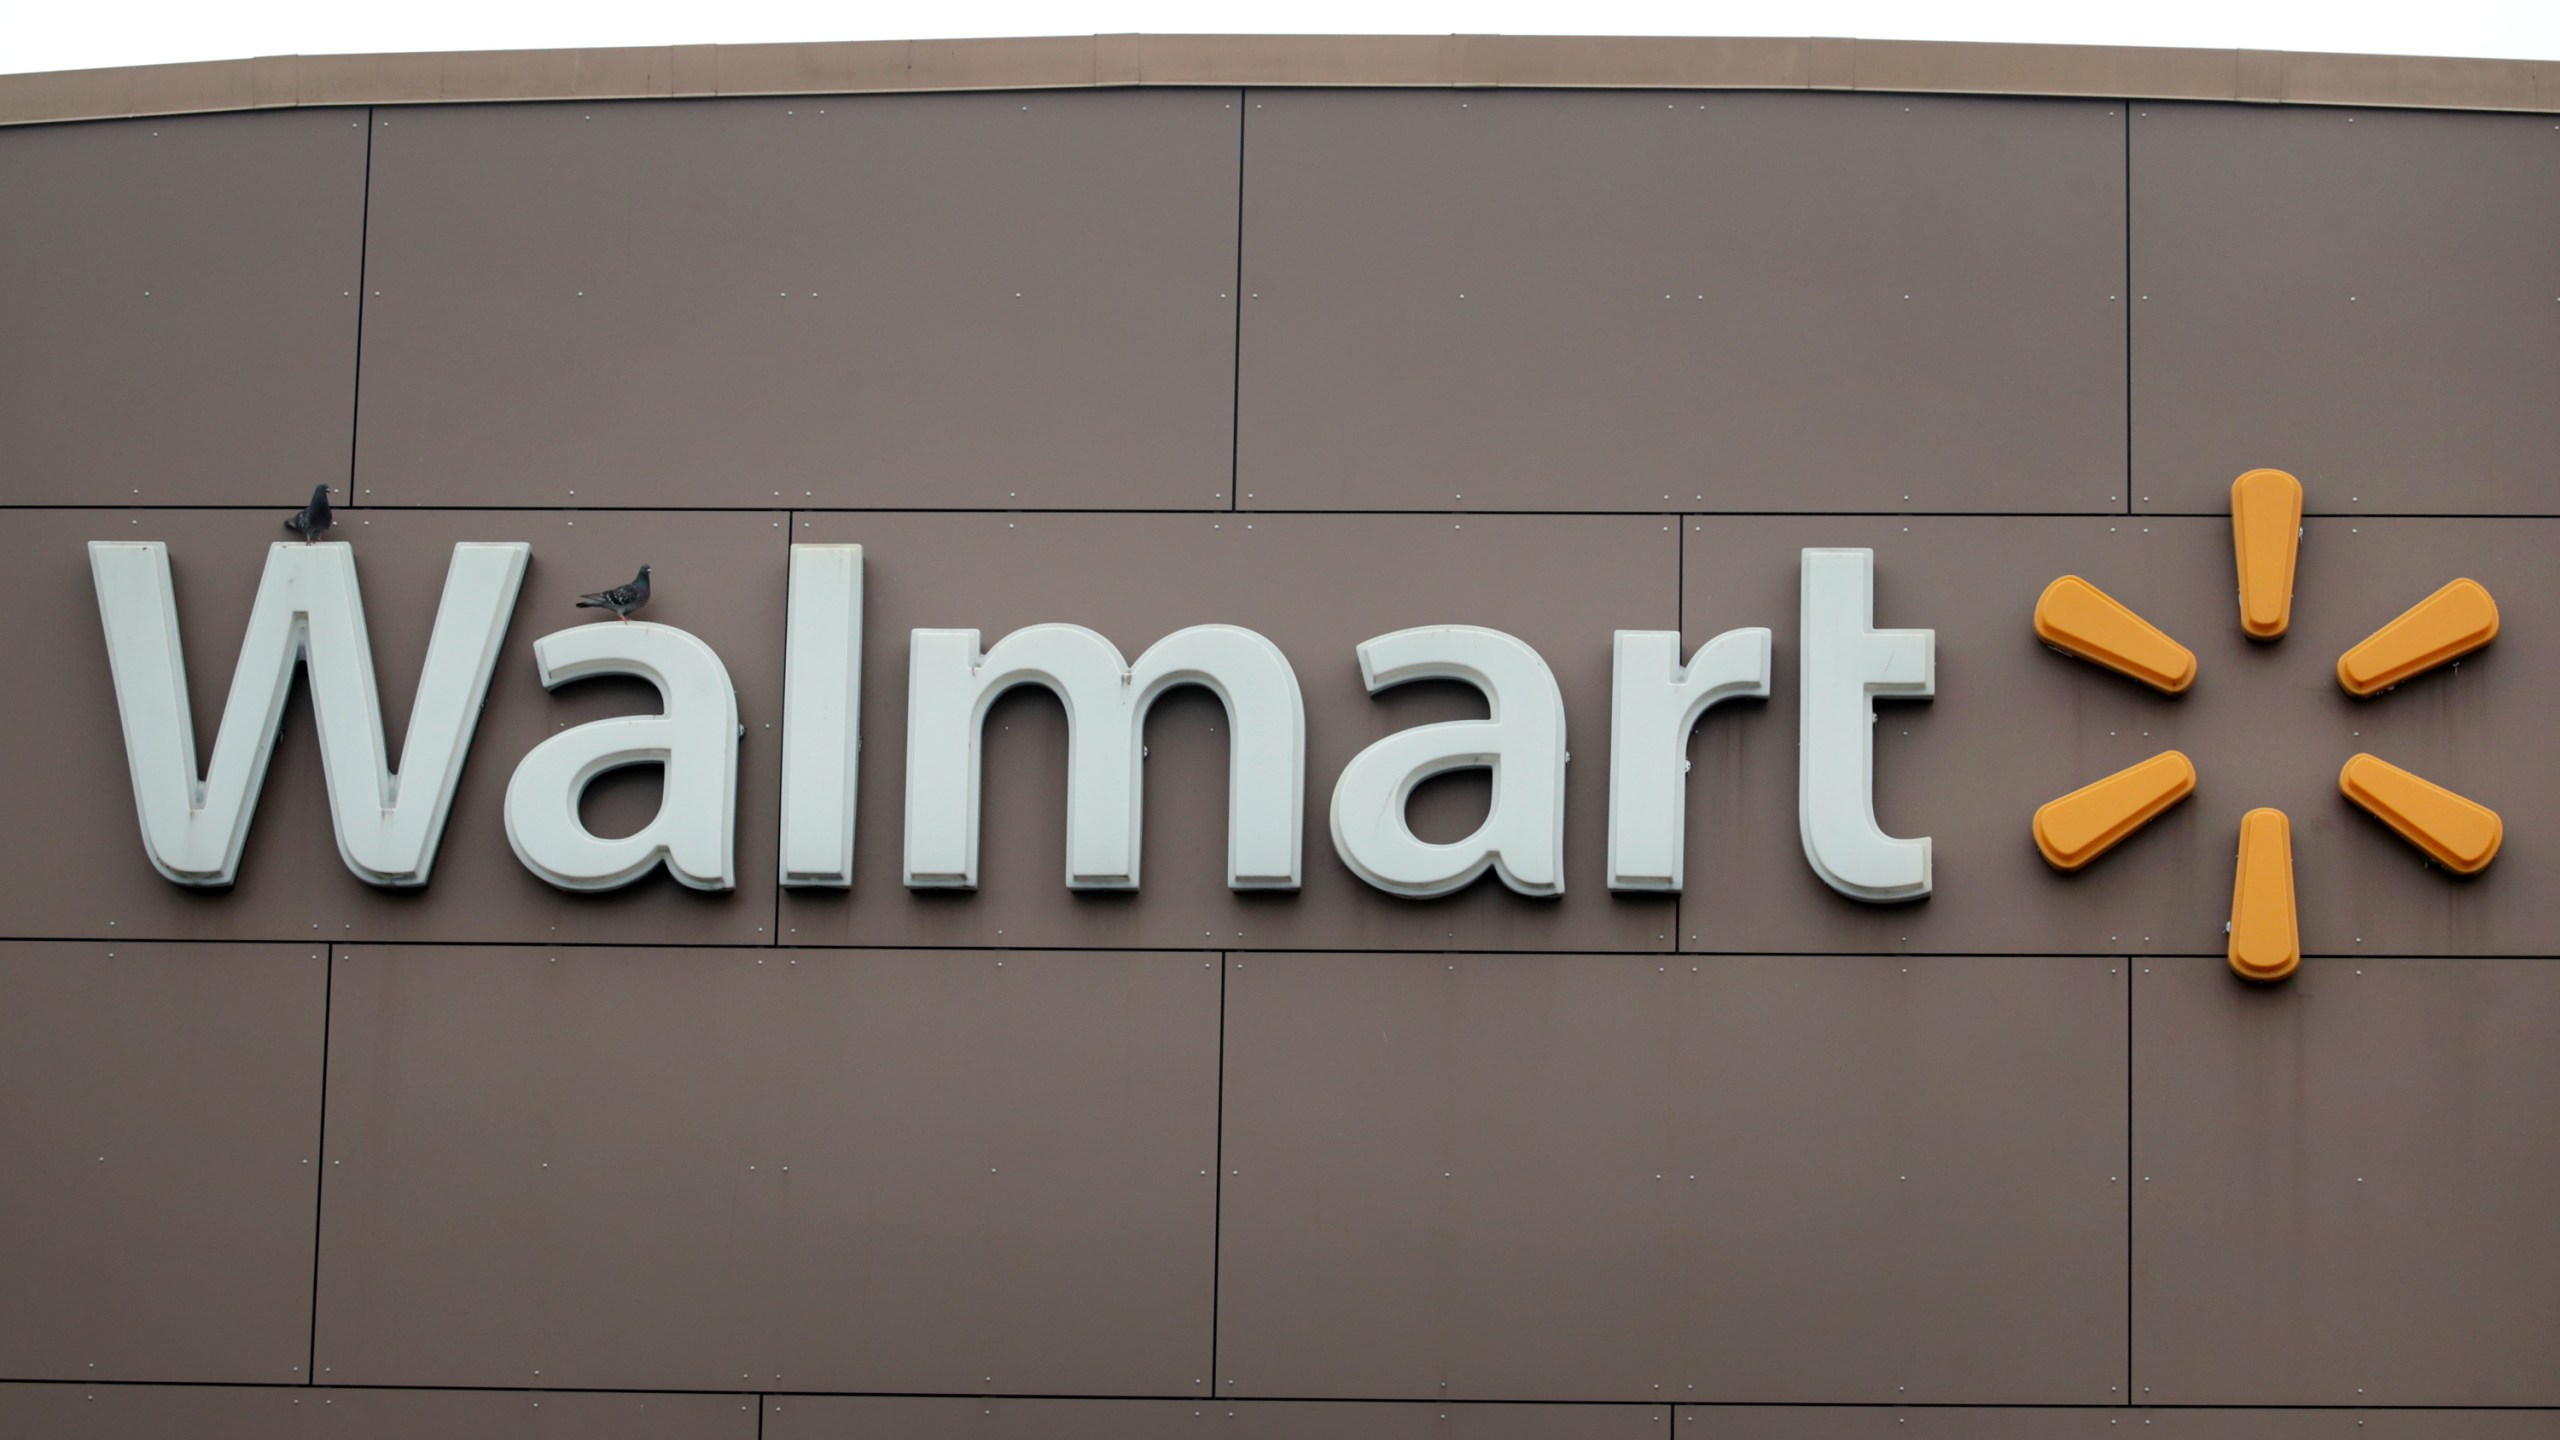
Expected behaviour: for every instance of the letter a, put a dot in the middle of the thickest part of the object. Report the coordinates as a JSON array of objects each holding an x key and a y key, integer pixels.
[
  {"x": 1522, "y": 838},
  {"x": 696, "y": 740}
]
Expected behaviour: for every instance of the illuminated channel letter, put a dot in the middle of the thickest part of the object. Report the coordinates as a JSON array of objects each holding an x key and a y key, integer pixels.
[
  {"x": 1522, "y": 743},
  {"x": 821, "y": 714},
  {"x": 1654, "y": 703},
  {"x": 695, "y": 740},
  {"x": 1847, "y": 665},
  {"x": 951, "y": 683},
  {"x": 308, "y": 611}
]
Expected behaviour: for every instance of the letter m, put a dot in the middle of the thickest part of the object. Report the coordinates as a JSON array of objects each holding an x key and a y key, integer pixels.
[{"x": 951, "y": 683}]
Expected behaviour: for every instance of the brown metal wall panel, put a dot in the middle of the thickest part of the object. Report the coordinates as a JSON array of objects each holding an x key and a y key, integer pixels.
[
  {"x": 1819, "y": 1422},
  {"x": 900, "y": 1417},
  {"x": 2363, "y": 297},
  {"x": 2353, "y": 1424},
  {"x": 1739, "y": 1178},
  {"x": 249, "y": 1412},
  {"x": 2348, "y": 1181},
  {"x": 160, "y": 1113},
  {"x": 1475, "y": 300},
  {"x": 179, "y": 298},
  {"x": 1317, "y": 586},
  {"x": 689, "y": 1169},
  {"x": 2015, "y": 724},
  {"x": 837, "y": 1417},
  {"x": 1877, "y": 1422},
  {"x": 991, "y": 301},
  {"x": 721, "y": 577},
  {"x": 181, "y": 1412}
]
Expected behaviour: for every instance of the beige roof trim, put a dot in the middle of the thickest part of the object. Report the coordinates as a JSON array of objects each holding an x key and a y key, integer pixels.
[{"x": 890, "y": 66}]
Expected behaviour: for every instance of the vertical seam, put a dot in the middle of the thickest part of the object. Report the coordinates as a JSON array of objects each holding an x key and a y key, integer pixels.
[
  {"x": 364, "y": 248},
  {"x": 1679, "y": 618},
  {"x": 1218, "y": 1176},
  {"x": 1235, "y": 394},
  {"x": 328, "y": 958},
  {"x": 2128, "y": 1179},
  {"x": 782, "y": 780},
  {"x": 2127, "y": 116}
]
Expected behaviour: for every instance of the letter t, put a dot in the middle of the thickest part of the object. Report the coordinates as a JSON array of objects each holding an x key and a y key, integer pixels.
[{"x": 1848, "y": 663}]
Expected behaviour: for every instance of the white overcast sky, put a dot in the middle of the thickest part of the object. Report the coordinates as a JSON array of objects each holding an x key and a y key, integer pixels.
[{"x": 36, "y": 35}]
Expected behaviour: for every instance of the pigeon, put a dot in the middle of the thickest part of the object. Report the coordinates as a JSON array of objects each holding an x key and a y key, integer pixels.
[
  {"x": 621, "y": 599},
  {"x": 313, "y": 520}
]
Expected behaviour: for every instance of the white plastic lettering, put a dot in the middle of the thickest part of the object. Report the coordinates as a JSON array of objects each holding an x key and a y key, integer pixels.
[
  {"x": 821, "y": 714},
  {"x": 1655, "y": 702},
  {"x": 1847, "y": 665},
  {"x": 951, "y": 683},
  {"x": 695, "y": 740},
  {"x": 1522, "y": 743},
  {"x": 308, "y": 611}
]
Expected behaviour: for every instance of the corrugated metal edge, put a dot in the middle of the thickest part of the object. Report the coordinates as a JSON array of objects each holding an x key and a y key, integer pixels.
[{"x": 895, "y": 66}]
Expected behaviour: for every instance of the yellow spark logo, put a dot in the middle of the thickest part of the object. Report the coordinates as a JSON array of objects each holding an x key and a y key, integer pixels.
[{"x": 2266, "y": 532}]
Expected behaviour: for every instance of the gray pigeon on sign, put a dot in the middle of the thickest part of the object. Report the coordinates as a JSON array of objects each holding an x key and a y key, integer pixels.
[
  {"x": 313, "y": 520},
  {"x": 621, "y": 599}
]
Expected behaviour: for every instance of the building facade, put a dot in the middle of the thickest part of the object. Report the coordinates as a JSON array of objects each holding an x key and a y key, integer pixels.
[{"x": 1325, "y": 342}]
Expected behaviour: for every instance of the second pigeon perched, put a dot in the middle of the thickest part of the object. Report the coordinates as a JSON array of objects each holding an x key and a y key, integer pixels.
[
  {"x": 313, "y": 520},
  {"x": 621, "y": 599}
]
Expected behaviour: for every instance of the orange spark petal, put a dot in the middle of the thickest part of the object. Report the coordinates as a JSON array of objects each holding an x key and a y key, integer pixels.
[
  {"x": 2077, "y": 616},
  {"x": 2094, "y": 819},
  {"x": 2266, "y": 533},
  {"x": 2462, "y": 835},
  {"x": 2447, "y": 625},
  {"x": 2266, "y": 944}
]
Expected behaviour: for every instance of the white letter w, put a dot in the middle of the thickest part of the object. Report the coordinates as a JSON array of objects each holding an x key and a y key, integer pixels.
[{"x": 307, "y": 611}]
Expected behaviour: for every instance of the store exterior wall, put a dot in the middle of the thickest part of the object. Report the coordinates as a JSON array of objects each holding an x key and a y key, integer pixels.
[{"x": 1754, "y": 1160}]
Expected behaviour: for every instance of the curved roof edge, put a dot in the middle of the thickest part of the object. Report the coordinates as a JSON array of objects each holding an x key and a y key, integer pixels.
[{"x": 894, "y": 66}]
